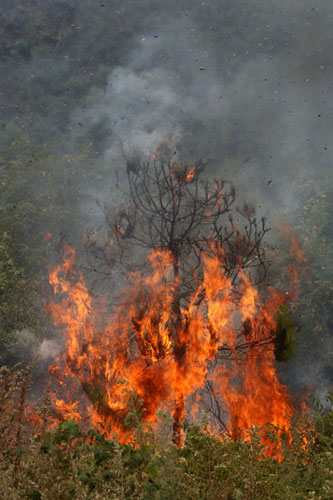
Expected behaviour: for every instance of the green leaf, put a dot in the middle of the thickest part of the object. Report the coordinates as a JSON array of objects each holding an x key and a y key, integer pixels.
[{"x": 34, "y": 495}]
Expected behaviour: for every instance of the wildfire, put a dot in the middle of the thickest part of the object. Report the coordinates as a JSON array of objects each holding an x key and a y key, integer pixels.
[
  {"x": 165, "y": 357},
  {"x": 257, "y": 399},
  {"x": 67, "y": 410},
  {"x": 163, "y": 150},
  {"x": 46, "y": 236},
  {"x": 183, "y": 174},
  {"x": 297, "y": 257}
]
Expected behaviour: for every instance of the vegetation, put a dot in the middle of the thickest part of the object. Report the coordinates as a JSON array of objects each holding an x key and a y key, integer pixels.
[
  {"x": 189, "y": 222},
  {"x": 55, "y": 56},
  {"x": 70, "y": 462},
  {"x": 314, "y": 224},
  {"x": 17, "y": 310},
  {"x": 285, "y": 334}
]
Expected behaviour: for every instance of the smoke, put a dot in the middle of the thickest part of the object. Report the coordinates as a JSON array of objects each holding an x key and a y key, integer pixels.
[
  {"x": 26, "y": 345},
  {"x": 247, "y": 85},
  {"x": 254, "y": 96}
]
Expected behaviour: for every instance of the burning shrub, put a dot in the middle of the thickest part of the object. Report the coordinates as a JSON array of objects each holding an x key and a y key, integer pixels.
[{"x": 190, "y": 322}]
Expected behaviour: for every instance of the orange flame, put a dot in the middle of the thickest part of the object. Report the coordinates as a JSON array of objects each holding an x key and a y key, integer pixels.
[
  {"x": 296, "y": 254},
  {"x": 47, "y": 235},
  {"x": 163, "y": 351},
  {"x": 183, "y": 174}
]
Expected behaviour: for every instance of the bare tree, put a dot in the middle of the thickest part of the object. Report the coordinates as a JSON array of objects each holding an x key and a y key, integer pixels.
[{"x": 173, "y": 207}]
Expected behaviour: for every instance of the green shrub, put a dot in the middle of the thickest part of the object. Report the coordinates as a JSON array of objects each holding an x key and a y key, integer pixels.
[{"x": 71, "y": 462}]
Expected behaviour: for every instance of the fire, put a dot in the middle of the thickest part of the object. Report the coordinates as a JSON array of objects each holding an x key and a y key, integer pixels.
[
  {"x": 163, "y": 150},
  {"x": 297, "y": 257},
  {"x": 257, "y": 399},
  {"x": 47, "y": 235},
  {"x": 67, "y": 410},
  {"x": 183, "y": 174},
  {"x": 164, "y": 352},
  {"x": 190, "y": 174}
]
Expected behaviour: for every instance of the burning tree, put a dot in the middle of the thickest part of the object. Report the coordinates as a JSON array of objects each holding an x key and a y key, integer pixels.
[{"x": 192, "y": 324}]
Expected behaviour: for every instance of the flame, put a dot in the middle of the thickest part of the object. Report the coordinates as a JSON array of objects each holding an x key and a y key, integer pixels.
[
  {"x": 183, "y": 174},
  {"x": 163, "y": 150},
  {"x": 47, "y": 235},
  {"x": 164, "y": 351},
  {"x": 297, "y": 256},
  {"x": 256, "y": 399},
  {"x": 67, "y": 410},
  {"x": 190, "y": 175}
]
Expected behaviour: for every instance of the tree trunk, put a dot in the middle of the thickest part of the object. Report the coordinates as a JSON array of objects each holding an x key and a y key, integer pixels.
[{"x": 179, "y": 352}]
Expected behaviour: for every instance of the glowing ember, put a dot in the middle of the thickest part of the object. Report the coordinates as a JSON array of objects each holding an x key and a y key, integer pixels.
[{"x": 47, "y": 236}]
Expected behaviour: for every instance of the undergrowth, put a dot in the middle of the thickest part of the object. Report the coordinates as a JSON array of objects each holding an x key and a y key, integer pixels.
[{"x": 70, "y": 462}]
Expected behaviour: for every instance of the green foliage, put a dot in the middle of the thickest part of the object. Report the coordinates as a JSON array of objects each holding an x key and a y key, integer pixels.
[
  {"x": 323, "y": 416},
  {"x": 204, "y": 468},
  {"x": 71, "y": 462},
  {"x": 314, "y": 224},
  {"x": 67, "y": 431},
  {"x": 16, "y": 293},
  {"x": 284, "y": 339}
]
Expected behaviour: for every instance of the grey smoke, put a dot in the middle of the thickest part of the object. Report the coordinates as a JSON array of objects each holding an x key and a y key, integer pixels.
[
  {"x": 255, "y": 112},
  {"x": 257, "y": 103},
  {"x": 27, "y": 344},
  {"x": 246, "y": 83}
]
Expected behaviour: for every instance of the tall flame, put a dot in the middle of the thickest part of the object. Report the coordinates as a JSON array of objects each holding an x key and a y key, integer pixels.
[{"x": 166, "y": 356}]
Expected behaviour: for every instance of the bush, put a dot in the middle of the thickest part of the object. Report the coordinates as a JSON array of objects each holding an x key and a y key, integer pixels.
[
  {"x": 70, "y": 462},
  {"x": 16, "y": 305}
]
